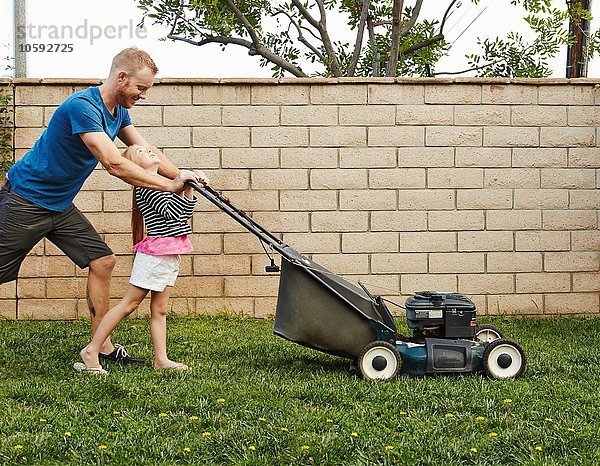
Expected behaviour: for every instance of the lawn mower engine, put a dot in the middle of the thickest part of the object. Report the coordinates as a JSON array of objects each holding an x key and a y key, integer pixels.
[{"x": 435, "y": 314}]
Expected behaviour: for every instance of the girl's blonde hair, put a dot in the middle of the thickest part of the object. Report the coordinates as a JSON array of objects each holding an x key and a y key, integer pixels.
[{"x": 137, "y": 220}]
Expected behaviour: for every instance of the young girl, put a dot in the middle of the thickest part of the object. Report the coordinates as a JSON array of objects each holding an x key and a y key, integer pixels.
[{"x": 156, "y": 262}]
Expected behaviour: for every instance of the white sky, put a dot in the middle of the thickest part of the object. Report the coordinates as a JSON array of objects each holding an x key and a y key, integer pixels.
[{"x": 176, "y": 59}]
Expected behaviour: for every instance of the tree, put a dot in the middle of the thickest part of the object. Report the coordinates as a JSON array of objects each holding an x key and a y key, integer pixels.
[{"x": 390, "y": 39}]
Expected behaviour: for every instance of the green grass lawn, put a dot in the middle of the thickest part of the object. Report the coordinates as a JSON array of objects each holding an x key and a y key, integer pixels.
[{"x": 253, "y": 398}]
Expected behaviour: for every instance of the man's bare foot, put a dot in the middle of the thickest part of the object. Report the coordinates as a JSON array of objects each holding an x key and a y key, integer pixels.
[
  {"x": 171, "y": 365},
  {"x": 89, "y": 358}
]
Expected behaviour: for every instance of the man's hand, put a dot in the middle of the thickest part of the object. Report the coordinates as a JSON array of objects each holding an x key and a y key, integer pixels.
[{"x": 178, "y": 184}]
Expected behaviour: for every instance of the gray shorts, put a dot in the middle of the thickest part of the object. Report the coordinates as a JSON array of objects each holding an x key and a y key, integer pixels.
[
  {"x": 23, "y": 224},
  {"x": 154, "y": 273}
]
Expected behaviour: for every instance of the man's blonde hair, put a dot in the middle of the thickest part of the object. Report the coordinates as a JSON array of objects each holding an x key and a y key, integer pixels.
[{"x": 132, "y": 60}]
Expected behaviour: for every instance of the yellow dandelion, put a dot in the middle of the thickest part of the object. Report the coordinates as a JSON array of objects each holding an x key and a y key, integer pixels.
[
  {"x": 473, "y": 450},
  {"x": 252, "y": 448},
  {"x": 117, "y": 413},
  {"x": 570, "y": 429},
  {"x": 354, "y": 434},
  {"x": 285, "y": 429},
  {"x": 538, "y": 448},
  {"x": 220, "y": 400},
  {"x": 548, "y": 420},
  {"x": 389, "y": 448},
  {"x": 18, "y": 447},
  {"x": 506, "y": 401},
  {"x": 480, "y": 418},
  {"x": 162, "y": 414},
  {"x": 67, "y": 434},
  {"x": 187, "y": 449},
  {"x": 403, "y": 413},
  {"x": 206, "y": 434},
  {"x": 102, "y": 447},
  {"x": 304, "y": 447},
  {"x": 262, "y": 419},
  {"x": 449, "y": 415},
  {"x": 492, "y": 434},
  {"x": 193, "y": 418},
  {"x": 42, "y": 420},
  {"x": 329, "y": 421}
]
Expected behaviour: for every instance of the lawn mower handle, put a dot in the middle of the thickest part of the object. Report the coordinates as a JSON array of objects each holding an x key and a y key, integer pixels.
[{"x": 243, "y": 218}]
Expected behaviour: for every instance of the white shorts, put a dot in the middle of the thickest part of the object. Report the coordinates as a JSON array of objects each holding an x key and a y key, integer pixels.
[{"x": 154, "y": 272}]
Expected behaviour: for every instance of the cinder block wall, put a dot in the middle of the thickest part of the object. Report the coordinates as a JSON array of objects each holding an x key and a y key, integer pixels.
[{"x": 487, "y": 187}]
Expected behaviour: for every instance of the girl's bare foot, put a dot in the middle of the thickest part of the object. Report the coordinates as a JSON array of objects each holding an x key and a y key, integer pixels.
[
  {"x": 89, "y": 358},
  {"x": 171, "y": 365}
]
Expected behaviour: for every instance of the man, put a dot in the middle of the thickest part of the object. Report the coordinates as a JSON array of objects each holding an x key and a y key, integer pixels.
[{"x": 36, "y": 200}]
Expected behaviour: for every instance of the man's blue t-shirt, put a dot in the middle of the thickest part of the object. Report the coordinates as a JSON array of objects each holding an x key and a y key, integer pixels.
[{"x": 53, "y": 171}]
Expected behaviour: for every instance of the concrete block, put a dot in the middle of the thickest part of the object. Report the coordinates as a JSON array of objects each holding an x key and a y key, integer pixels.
[
  {"x": 539, "y": 157},
  {"x": 336, "y": 221},
  {"x": 186, "y": 115},
  {"x": 567, "y": 137},
  {"x": 401, "y": 94},
  {"x": 456, "y": 262},
  {"x": 309, "y": 115},
  {"x": 575, "y": 178},
  {"x": 399, "y": 263},
  {"x": 455, "y": 178},
  {"x": 281, "y": 95},
  {"x": 491, "y": 157},
  {"x": 427, "y": 241},
  {"x": 424, "y": 115},
  {"x": 249, "y": 157},
  {"x": 453, "y": 136},
  {"x": 538, "y": 115},
  {"x": 452, "y": 94},
  {"x": 292, "y": 178},
  {"x": 369, "y": 115},
  {"x": 482, "y": 199},
  {"x": 397, "y": 178},
  {"x": 412, "y": 283},
  {"x": 309, "y": 157},
  {"x": 220, "y": 137},
  {"x": 485, "y": 241},
  {"x": 367, "y": 157},
  {"x": 341, "y": 94},
  {"x": 308, "y": 200},
  {"x": 221, "y": 94},
  {"x": 570, "y": 261},
  {"x": 514, "y": 262},
  {"x": 543, "y": 282},
  {"x": 338, "y": 136},
  {"x": 426, "y": 157},
  {"x": 372, "y": 242},
  {"x": 577, "y": 303},
  {"x": 277, "y": 136},
  {"x": 511, "y": 178},
  {"x": 338, "y": 179},
  {"x": 513, "y": 219},
  {"x": 368, "y": 200},
  {"x": 398, "y": 136},
  {"x": 542, "y": 240},
  {"x": 398, "y": 221},
  {"x": 426, "y": 199},
  {"x": 486, "y": 115},
  {"x": 498, "y": 136},
  {"x": 245, "y": 115},
  {"x": 566, "y": 95},
  {"x": 454, "y": 220},
  {"x": 569, "y": 220},
  {"x": 508, "y": 94},
  {"x": 493, "y": 283}
]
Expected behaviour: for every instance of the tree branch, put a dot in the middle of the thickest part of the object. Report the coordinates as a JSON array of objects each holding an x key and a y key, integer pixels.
[
  {"x": 301, "y": 37},
  {"x": 320, "y": 26},
  {"x": 426, "y": 43},
  {"x": 395, "y": 38},
  {"x": 252, "y": 50},
  {"x": 373, "y": 45},
  {"x": 359, "y": 37},
  {"x": 413, "y": 19},
  {"x": 471, "y": 69},
  {"x": 236, "y": 11}
]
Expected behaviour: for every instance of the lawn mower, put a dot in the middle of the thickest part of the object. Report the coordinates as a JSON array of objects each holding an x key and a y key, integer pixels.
[{"x": 325, "y": 312}]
